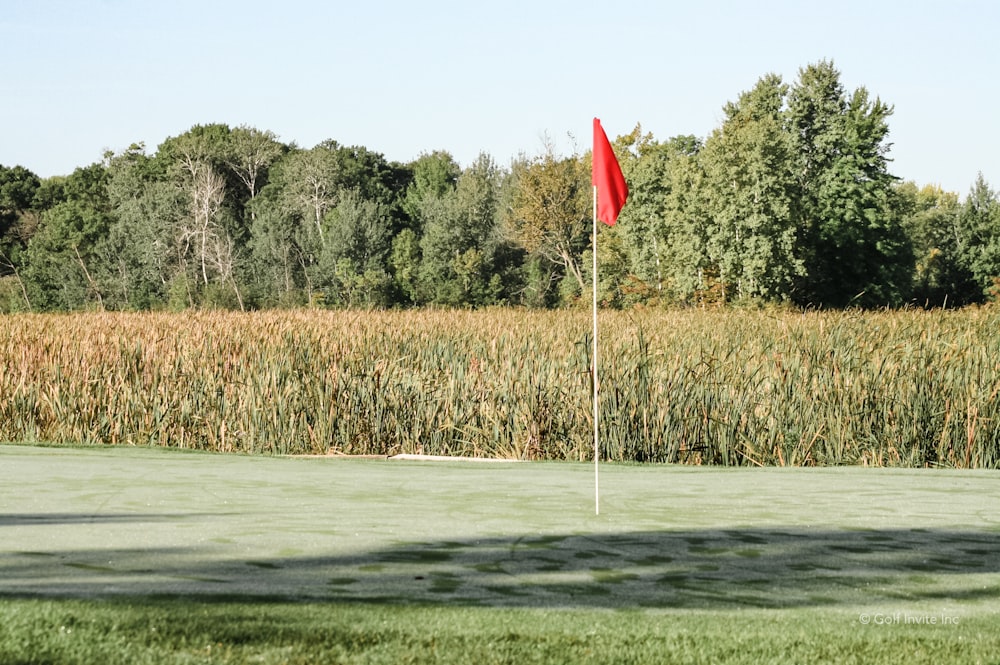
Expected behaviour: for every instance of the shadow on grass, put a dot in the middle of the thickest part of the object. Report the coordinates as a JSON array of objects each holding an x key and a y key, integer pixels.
[
  {"x": 50, "y": 519},
  {"x": 703, "y": 569}
]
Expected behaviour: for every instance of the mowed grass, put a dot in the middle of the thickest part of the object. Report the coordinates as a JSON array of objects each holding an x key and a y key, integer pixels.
[
  {"x": 179, "y": 631},
  {"x": 729, "y": 387},
  {"x": 152, "y": 555}
]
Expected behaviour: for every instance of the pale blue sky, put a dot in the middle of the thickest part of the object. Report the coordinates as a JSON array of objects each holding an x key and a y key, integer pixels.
[{"x": 402, "y": 78}]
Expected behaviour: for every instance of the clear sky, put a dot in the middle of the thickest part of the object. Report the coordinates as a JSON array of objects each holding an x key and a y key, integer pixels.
[{"x": 407, "y": 77}]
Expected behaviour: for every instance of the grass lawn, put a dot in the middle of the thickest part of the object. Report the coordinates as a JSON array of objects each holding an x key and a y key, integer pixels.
[{"x": 152, "y": 555}]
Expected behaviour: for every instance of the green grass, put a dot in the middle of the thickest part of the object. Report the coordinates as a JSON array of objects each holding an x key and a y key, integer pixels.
[
  {"x": 114, "y": 555},
  {"x": 186, "y": 631}
]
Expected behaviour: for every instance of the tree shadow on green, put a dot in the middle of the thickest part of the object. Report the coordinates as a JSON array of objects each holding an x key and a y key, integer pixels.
[{"x": 697, "y": 569}]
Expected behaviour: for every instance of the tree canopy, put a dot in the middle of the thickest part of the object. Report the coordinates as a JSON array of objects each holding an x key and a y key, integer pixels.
[{"x": 789, "y": 200}]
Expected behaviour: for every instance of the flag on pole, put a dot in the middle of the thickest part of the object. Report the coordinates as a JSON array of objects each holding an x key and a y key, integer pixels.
[
  {"x": 607, "y": 178},
  {"x": 610, "y": 192}
]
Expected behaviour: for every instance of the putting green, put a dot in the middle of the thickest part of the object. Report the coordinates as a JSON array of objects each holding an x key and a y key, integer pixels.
[{"x": 150, "y": 522}]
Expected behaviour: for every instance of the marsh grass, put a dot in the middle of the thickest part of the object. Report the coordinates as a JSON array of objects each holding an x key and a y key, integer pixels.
[{"x": 735, "y": 387}]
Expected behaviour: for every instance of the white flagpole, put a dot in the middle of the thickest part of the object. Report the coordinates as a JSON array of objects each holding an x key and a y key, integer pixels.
[{"x": 597, "y": 449}]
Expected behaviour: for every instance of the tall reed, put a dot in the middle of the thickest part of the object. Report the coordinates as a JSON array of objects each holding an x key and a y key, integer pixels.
[{"x": 731, "y": 387}]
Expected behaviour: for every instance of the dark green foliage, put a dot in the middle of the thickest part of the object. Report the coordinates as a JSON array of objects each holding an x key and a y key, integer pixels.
[
  {"x": 460, "y": 239},
  {"x": 789, "y": 200},
  {"x": 62, "y": 264},
  {"x": 856, "y": 252},
  {"x": 750, "y": 180},
  {"x": 979, "y": 226},
  {"x": 19, "y": 188}
]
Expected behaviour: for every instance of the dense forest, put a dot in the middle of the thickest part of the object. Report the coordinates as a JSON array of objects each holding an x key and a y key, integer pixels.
[{"x": 790, "y": 200}]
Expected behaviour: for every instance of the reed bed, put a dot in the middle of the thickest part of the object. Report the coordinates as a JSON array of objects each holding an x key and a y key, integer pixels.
[{"x": 734, "y": 387}]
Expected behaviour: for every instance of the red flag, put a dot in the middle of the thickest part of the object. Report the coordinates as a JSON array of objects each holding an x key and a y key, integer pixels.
[{"x": 607, "y": 177}]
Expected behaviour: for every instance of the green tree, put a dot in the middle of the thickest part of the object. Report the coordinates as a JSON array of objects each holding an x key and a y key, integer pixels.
[
  {"x": 643, "y": 222},
  {"x": 353, "y": 269},
  {"x": 213, "y": 146},
  {"x": 688, "y": 271},
  {"x": 460, "y": 238},
  {"x": 750, "y": 177},
  {"x": 302, "y": 188},
  {"x": 368, "y": 173},
  {"x": 249, "y": 153},
  {"x": 931, "y": 222},
  {"x": 64, "y": 268},
  {"x": 855, "y": 250},
  {"x": 276, "y": 260},
  {"x": 433, "y": 176},
  {"x": 215, "y": 231},
  {"x": 18, "y": 187},
  {"x": 18, "y": 221},
  {"x": 550, "y": 212},
  {"x": 979, "y": 228},
  {"x": 144, "y": 241},
  {"x": 404, "y": 263}
]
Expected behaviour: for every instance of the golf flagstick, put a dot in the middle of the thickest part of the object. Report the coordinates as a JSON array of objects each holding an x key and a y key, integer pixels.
[
  {"x": 593, "y": 356},
  {"x": 606, "y": 175}
]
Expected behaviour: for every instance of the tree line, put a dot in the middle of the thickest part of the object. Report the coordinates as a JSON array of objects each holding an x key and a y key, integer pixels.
[{"x": 789, "y": 200}]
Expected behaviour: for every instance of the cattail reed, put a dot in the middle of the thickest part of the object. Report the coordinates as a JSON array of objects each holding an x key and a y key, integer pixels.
[{"x": 732, "y": 387}]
